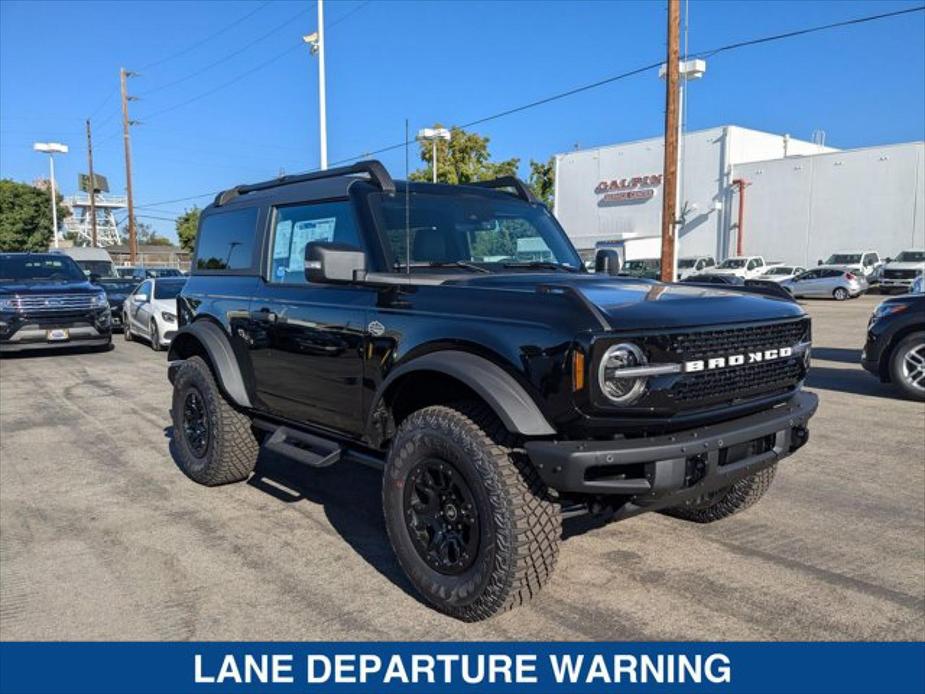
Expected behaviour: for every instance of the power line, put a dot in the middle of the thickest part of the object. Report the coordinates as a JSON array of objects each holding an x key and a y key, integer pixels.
[
  {"x": 607, "y": 80},
  {"x": 228, "y": 57},
  {"x": 196, "y": 45}
]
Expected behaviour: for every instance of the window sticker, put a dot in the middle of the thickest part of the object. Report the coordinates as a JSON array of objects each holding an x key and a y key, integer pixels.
[
  {"x": 282, "y": 240},
  {"x": 305, "y": 232}
]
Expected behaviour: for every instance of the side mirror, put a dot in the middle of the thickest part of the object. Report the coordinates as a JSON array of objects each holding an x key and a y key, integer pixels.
[
  {"x": 94, "y": 278},
  {"x": 818, "y": 262},
  {"x": 139, "y": 298},
  {"x": 333, "y": 262},
  {"x": 607, "y": 261},
  {"x": 888, "y": 260}
]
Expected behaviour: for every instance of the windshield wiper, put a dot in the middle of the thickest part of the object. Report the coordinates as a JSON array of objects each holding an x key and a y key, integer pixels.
[
  {"x": 543, "y": 264},
  {"x": 448, "y": 263}
]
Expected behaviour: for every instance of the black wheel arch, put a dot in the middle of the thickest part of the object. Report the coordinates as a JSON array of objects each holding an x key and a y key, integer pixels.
[
  {"x": 208, "y": 340},
  {"x": 446, "y": 375}
]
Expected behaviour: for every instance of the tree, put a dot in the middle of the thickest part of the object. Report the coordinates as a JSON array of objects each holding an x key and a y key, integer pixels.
[
  {"x": 25, "y": 217},
  {"x": 146, "y": 236},
  {"x": 187, "y": 225},
  {"x": 543, "y": 180},
  {"x": 464, "y": 159}
]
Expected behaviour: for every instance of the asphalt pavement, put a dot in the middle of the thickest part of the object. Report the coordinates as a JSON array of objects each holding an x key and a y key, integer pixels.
[{"x": 102, "y": 536}]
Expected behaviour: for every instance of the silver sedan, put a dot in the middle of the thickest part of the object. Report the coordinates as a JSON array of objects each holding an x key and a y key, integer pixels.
[{"x": 826, "y": 282}]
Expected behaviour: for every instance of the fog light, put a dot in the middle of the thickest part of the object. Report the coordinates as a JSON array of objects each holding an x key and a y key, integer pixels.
[{"x": 621, "y": 389}]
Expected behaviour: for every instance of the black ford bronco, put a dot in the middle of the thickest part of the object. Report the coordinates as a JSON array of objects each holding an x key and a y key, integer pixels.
[{"x": 450, "y": 336}]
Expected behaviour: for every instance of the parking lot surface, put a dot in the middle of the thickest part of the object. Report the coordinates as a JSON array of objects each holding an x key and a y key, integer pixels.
[{"x": 102, "y": 536}]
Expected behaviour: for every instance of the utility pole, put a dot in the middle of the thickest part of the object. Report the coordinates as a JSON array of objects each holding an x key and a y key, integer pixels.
[
  {"x": 92, "y": 187},
  {"x": 126, "y": 138},
  {"x": 672, "y": 118}
]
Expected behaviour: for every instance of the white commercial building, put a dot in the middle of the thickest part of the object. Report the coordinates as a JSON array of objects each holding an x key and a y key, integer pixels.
[{"x": 803, "y": 200}]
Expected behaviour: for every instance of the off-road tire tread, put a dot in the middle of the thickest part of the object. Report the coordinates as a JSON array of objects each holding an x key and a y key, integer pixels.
[
  {"x": 528, "y": 521},
  {"x": 233, "y": 450},
  {"x": 737, "y": 497}
]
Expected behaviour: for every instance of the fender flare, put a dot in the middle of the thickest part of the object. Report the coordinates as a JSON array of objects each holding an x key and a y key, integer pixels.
[
  {"x": 217, "y": 345},
  {"x": 506, "y": 397}
]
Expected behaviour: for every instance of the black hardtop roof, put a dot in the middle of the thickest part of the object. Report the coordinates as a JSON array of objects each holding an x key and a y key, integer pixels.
[{"x": 335, "y": 183}]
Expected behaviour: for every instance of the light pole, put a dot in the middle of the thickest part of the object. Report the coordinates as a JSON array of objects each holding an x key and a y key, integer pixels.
[
  {"x": 52, "y": 148},
  {"x": 315, "y": 42},
  {"x": 688, "y": 70},
  {"x": 434, "y": 134}
]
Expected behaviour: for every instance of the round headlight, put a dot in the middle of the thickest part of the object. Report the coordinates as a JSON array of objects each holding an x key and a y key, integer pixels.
[{"x": 621, "y": 389}]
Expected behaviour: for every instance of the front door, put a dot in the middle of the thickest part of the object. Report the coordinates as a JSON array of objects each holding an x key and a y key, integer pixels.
[
  {"x": 310, "y": 368},
  {"x": 141, "y": 307}
]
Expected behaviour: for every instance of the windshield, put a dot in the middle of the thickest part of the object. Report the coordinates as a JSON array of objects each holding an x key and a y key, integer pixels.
[
  {"x": 103, "y": 268},
  {"x": 911, "y": 257},
  {"x": 685, "y": 263},
  {"x": 641, "y": 265},
  {"x": 843, "y": 259},
  {"x": 464, "y": 230},
  {"x": 118, "y": 286},
  {"x": 732, "y": 263},
  {"x": 167, "y": 289},
  {"x": 780, "y": 271},
  {"x": 166, "y": 272},
  {"x": 38, "y": 268}
]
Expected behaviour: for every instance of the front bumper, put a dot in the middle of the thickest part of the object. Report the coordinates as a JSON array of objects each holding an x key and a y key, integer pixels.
[
  {"x": 23, "y": 332},
  {"x": 905, "y": 283},
  {"x": 666, "y": 470}
]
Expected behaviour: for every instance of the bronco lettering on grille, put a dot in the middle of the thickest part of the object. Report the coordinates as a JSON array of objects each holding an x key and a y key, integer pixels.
[{"x": 737, "y": 359}]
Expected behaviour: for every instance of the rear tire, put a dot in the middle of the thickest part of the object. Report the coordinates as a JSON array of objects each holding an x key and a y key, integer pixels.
[
  {"x": 507, "y": 542},
  {"x": 907, "y": 366},
  {"x": 840, "y": 294},
  {"x": 727, "y": 501},
  {"x": 214, "y": 443}
]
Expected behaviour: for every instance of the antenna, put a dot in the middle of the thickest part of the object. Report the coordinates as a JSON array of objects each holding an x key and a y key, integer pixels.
[{"x": 407, "y": 207}]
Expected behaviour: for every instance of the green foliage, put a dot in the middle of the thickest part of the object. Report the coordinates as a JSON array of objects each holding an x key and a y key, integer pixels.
[
  {"x": 148, "y": 237},
  {"x": 25, "y": 217},
  {"x": 187, "y": 225},
  {"x": 464, "y": 159},
  {"x": 543, "y": 180}
]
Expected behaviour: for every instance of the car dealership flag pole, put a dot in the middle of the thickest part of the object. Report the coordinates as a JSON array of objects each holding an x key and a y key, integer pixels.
[{"x": 670, "y": 185}]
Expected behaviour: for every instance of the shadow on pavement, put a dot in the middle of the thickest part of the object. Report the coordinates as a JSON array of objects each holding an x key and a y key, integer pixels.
[
  {"x": 856, "y": 381},
  {"x": 848, "y": 356},
  {"x": 57, "y": 351}
]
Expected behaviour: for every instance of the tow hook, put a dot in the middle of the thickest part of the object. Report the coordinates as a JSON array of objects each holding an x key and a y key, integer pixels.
[{"x": 798, "y": 437}]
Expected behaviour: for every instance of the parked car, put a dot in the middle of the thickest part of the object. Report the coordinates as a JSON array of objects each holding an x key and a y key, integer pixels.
[
  {"x": 781, "y": 273},
  {"x": 47, "y": 301},
  {"x": 864, "y": 264},
  {"x": 117, "y": 290},
  {"x": 693, "y": 265},
  {"x": 918, "y": 285},
  {"x": 826, "y": 282},
  {"x": 646, "y": 268},
  {"x": 151, "y": 311},
  {"x": 95, "y": 262},
  {"x": 895, "y": 348},
  {"x": 901, "y": 271},
  {"x": 746, "y": 267},
  {"x": 324, "y": 319},
  {"x": 141, "y": 273}
]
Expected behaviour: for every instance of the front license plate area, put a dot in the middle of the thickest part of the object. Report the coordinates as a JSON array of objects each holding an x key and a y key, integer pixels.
[{"x": 57, "y": 335}]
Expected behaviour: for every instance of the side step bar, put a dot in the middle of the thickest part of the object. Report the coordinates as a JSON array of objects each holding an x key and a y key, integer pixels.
[{"x": 305, "y": 448}]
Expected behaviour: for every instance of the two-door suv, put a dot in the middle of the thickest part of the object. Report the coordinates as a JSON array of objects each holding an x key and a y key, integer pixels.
[{"x": 451, "y": 336}]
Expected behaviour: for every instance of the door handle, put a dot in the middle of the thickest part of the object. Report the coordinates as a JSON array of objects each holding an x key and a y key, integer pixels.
[{"x": 264, "y": 314}]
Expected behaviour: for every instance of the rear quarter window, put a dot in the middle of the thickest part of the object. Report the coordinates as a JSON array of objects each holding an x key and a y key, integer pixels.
[{"x": 226, "y": 241}]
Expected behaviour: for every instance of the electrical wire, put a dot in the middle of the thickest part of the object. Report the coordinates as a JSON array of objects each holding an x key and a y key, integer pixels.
[{"x": 196, "y": 45}]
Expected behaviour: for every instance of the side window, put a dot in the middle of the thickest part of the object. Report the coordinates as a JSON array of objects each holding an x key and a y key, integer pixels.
[
  {"x": 298, "y": 225},
  {"x": 226, "y": 240},
  {"x": 145, "y": 288},
  {"x": 710, "y": 262},
  {"x": 700, "y": 265},
  {"x": 811, "y": 275},
  {"x": 752, "y": 264}
]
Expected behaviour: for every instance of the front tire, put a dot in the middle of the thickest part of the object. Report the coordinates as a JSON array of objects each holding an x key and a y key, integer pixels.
[
  {"x": 213, "y": 441},
  {"x": 840, "y": 294},
  {"x": 907, "y": 365},
  {"x": 155, "y": 337},
  {"x": 728, "y": 500},
  {"x": 470, "y": 521},
  {"x": 127, "y": 332}
]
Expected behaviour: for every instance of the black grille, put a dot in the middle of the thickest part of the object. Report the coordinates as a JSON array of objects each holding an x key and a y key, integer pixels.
[
  {"x": 900, "y": 274},
  {"x": 717, "y": 343},
  {"x": 740, "y": 381}
]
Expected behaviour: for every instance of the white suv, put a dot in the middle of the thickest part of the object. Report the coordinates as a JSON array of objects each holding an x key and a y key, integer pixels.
[
  {"x": 745, "y": 266},
  {"x": 694, "y": 265},
  {"x": 866, "y": 264},
  {"x": 901, "y": 272}
]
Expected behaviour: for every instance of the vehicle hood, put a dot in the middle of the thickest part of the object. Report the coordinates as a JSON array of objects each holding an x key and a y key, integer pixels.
[
  {"x": 27, "y": 288},
  {"x": 904, "y": 266},
  {"x": 725, "y": 271},
  {"x": 633, "y": 304}
]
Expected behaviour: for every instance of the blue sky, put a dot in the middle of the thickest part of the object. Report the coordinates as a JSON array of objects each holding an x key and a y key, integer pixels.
[{"x": 208, "y": 126}]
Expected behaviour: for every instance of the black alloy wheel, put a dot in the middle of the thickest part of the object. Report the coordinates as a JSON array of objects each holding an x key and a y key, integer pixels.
[
  {"x": 441, "y": 517},
  {"x": 195, "y": 423}
]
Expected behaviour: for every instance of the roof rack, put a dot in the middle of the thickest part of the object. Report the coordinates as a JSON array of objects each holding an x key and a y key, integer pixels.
[
  {"x": 522, "y": 190},
  {"x": 377, "y": 174}
]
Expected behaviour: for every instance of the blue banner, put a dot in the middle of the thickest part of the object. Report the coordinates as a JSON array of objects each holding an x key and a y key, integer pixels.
[{"x": 464, "y": 668}]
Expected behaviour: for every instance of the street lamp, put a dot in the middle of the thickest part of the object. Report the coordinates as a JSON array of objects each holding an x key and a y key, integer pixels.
[
  {"x": 52, "y": 148},
  {"x": 315, "y": 43},
  {"x": 688, "y": 70},
  {"x": 434, "y": 134}
]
